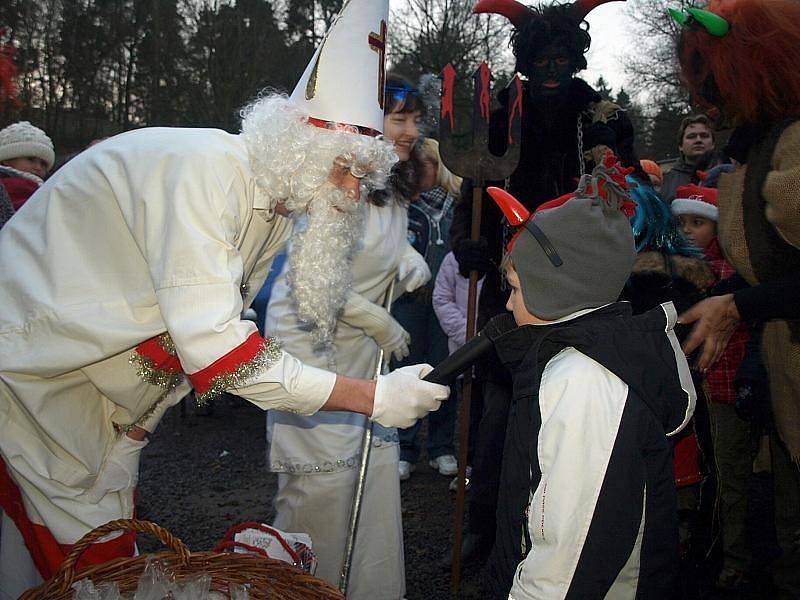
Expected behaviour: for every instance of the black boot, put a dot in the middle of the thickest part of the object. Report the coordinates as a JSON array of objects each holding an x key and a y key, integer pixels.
[{"x": 475, "y": 549}]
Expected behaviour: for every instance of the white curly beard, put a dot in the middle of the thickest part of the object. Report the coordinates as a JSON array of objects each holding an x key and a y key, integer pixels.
[{"x": 320, "y": 261}]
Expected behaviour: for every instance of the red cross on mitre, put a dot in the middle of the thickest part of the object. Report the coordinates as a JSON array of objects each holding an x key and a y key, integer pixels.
[{"x": 377, "y": 42}]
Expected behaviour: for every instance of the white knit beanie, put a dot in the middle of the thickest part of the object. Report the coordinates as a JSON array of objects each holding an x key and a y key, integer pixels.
[{"x": 22, "y": 139}]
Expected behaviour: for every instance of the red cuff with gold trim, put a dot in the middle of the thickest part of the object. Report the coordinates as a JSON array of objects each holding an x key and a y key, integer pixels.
[
  {"x": 227, "y": 367},
  {"x": 161, "y": 352}
]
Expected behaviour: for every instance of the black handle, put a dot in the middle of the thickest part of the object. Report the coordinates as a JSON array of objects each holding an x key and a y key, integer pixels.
[{"x": 459, "y": 361}]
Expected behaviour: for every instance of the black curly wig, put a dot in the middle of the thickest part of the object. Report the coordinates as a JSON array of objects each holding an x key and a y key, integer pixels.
[{"x": 547, "y": 25}]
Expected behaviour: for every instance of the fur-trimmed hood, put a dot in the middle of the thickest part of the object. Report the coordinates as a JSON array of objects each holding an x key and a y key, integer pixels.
[
  {"x": 659, "y": 277},
  {"x": 694, "y": 270}
]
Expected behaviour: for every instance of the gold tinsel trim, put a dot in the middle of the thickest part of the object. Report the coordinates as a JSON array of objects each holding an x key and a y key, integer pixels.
[
  {"x": 123, "y": 429},
  {"x": 149, "y": 412},
  {"x": 166, "y": 343},
  {"x": 149, "y": 373},
  {"x": 269, "y": 353}
]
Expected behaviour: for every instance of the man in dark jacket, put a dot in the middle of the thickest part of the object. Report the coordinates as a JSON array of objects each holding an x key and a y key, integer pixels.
[
  {"x": 696, "y": 145},
  {"x": 566, "y": 128}
]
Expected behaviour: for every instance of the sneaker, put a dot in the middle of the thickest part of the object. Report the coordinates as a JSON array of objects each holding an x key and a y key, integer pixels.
[
  {"x": 453, "y": 487},
  {"x": 405, "y": 469},
  {"x": 447, "y": 465}
]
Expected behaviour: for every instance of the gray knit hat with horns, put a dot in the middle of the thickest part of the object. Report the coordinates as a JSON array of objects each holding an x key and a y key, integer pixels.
[{"x": 577, "y": 254}]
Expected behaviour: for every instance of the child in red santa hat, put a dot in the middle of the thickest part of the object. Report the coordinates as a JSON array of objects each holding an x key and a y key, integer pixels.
[{"x": 696, "y": 207}]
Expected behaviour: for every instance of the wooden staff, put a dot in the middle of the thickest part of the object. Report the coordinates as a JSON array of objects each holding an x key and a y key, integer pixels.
[{"x": 468, "y": 156}]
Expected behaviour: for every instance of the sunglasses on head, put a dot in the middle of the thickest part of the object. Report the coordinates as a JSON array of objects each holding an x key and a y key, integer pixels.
[{"x": 398, "y": 94}]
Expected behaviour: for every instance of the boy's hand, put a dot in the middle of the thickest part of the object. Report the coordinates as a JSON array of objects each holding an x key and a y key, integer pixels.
[{"x": 716, "y": 319}]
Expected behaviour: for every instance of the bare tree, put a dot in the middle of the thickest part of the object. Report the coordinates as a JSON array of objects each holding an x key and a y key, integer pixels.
[
  {"x": 306, "y": 21},
  {"x": 653, "y": 68},
  {"x": 653, "y": 74},
  {"x": 427, "y": 34},
  {"x": 35, "y": 30}
]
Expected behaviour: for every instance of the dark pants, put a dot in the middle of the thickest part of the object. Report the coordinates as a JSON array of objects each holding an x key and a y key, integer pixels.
[
  {"x": 428, "y": 345},
  {"x": 786, "y": 568},
  {"x": 731, "y": 437},
  {"x": 488, "y": 459}
]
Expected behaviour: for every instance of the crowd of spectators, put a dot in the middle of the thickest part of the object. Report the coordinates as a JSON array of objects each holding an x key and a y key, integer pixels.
[{"x": 679, "y": 259}]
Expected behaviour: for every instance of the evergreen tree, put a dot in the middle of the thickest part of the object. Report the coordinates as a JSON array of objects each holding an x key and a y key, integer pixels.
[
  {"x": 641, "y": 124},
  {"x": 602, "y": 88},
  {"x": 665, "y": 129},
  {"x": 161, "y": 78},
  {"x": 236, "y": 51},
  {"x": 307, "y": 20}
]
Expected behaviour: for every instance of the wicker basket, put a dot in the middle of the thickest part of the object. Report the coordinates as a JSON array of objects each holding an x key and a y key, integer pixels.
[{"x": 267, "y": 578}]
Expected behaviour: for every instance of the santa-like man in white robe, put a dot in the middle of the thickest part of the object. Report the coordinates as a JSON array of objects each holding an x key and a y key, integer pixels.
[{"x": 123, "y": 279}]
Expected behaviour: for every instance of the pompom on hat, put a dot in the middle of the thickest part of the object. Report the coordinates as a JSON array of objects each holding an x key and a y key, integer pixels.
[
  {"x": 577, "y": 251},
  {"x": 696, "y": 200},
  {"x": 22, "y": 139}
]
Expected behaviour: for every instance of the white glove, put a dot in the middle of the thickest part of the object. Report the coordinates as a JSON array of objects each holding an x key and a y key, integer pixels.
[
  {"x": 413, "y": 271},
  {"x": 401, "y": 397},
  {"x": 118, "y": 473},
  {"x": 393, "y": 339},
  {"x": 378, "y": 324}
]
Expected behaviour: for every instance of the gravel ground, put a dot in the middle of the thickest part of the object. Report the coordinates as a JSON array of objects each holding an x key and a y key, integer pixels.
[{"x": 202, "y": 474}]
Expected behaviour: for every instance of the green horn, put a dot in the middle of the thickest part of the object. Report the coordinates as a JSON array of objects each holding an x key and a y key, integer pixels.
[
  {"x": 679, "y": 16},
  {"x": 713, "y": 24}
]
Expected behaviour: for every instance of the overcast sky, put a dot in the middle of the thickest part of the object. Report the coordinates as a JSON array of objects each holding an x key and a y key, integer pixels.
[{"x": 611, "y": 40}]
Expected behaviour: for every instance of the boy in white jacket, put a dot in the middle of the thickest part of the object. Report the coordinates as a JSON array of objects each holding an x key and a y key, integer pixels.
[{"x": 587, "y": 505}]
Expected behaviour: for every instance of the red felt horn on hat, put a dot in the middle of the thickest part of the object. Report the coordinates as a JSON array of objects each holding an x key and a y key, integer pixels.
[
  {"x": 514, "y": 11},
  {"x": 511, "y": 207}
]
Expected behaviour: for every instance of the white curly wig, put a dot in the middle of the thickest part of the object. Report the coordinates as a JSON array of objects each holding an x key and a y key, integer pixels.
[{"x": 292, "y": 159}]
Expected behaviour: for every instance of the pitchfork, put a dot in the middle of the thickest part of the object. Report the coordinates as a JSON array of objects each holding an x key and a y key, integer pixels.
[{"x": 468, "y": 155}]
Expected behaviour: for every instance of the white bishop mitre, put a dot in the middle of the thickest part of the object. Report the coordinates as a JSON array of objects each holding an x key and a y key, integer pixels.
[{"x": 342, "y": 86}]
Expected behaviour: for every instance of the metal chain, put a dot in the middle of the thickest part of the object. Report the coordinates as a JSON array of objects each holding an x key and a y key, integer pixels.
[{"x": 581, "y": 164}]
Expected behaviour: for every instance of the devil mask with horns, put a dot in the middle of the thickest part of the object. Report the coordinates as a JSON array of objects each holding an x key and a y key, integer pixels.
[{"x": 549, "y": 42}]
